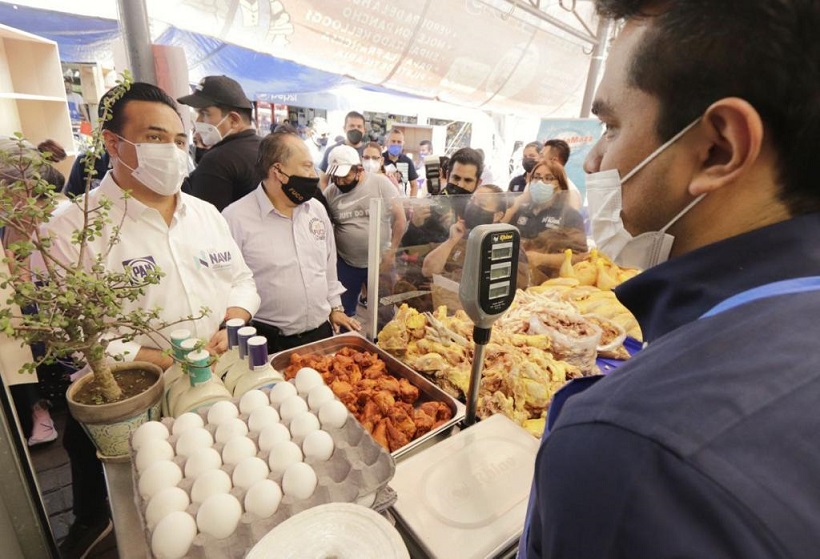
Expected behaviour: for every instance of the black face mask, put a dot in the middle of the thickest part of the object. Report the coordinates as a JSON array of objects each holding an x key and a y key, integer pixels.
[
  {"x": 528, "y": 164},
  {"x": 458, "y": 198},
  {"x": 354, "y": 136},
  {"x": 345, "y": 188},
  {"x": 474, "y": 215},
  {"x": 452, "y": 190},
  {"x": 299, "y": 189}
]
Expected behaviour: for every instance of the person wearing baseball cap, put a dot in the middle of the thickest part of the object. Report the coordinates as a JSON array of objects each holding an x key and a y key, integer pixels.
[
  {"x": 348, "y": 195},
  {"x": 224, "y": 126}
]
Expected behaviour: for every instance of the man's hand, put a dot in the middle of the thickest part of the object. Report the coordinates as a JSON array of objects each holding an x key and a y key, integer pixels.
[
  {"x": 339, "y": 319},
  {"x": 218, "y": 344},
  {"x": 457, "y": 230},
  {"x": 420, "y": 215}
]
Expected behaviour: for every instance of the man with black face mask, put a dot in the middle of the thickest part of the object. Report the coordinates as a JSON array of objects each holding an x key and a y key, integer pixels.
[
  {"x": 287, "y": 240},
  {"x": 348, "y": 196},
  {"x": 532, "y": 153},
  {"x": 486, "y": 205},
  {"x": 354, "y": 137}
]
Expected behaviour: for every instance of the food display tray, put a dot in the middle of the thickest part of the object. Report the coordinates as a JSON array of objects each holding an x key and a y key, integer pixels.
[{"x": 427, "y": 390}]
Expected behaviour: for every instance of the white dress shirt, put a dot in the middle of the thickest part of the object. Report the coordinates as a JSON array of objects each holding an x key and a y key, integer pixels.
[
  {"x": 201, "y": 263},
  {"x": 293, "y": 260}
]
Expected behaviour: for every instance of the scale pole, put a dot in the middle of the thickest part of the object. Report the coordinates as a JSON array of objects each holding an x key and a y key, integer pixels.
[{"x": 475, "y": 383}]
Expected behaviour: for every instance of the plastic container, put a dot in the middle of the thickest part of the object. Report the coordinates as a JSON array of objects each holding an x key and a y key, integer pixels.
[
  {"x": 260, "y": 374},
  {"x": 203, "y": 389},
  {"x": 230, "y": 357},
  {"x": 240, "y": 366}
]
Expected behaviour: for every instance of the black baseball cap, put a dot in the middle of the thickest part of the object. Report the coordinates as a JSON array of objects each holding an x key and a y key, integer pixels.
[{"x": 217, "y": 90}]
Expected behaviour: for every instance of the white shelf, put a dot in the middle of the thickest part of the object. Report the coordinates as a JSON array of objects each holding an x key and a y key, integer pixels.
[{"x": 31, "y": 97}]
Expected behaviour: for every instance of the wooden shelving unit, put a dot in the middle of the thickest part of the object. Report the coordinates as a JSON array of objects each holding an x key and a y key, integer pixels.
[{"x": 32, "y": 95}]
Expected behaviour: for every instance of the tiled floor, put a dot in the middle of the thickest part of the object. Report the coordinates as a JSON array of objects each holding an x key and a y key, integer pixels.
[{"x": 54, "y": 476}]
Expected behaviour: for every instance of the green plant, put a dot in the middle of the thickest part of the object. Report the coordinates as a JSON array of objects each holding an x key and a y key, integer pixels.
[{"x": 70, "y": 306}]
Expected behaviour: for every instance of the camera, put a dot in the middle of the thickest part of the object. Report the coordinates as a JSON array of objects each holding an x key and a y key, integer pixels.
[{"x": 432, "y": 166}]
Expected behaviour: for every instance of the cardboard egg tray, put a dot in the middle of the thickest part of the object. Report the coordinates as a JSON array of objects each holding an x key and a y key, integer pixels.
[{"x": 358, "y": 471}]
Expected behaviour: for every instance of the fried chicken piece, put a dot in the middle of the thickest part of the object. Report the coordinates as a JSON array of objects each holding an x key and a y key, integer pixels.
[
  {"x": 373, "y": 371},
  {"x": 366, "y": 384},
  {"x": 401, "y": 419},
  {"x": 437, "y": 410},
  {"x": 370, "y": 413},
  {"x": 424, "y": 422},
  {"x": 407, "y": 392},
  {"x": 385, "y": 401},
  {"x": 396, "y": 438},
  {"x": 379, "y": 434},
  {"x": 391, "y": 384}
]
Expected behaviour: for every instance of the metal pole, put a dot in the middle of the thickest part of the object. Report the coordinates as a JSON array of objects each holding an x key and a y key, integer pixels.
[
  {"x": 604, "y": 28},
  {"x": 475, "y": 383},
  {"x": 133, "y": 16}
]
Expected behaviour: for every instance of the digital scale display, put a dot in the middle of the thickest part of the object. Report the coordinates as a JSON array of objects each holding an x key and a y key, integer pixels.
[
  {"x": 501, "y": 251},
  {"x": 500, "y": 271},
  {"x": 498, "y": 290}
]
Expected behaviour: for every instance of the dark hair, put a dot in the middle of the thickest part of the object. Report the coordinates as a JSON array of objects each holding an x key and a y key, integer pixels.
[
  {"x": 561, "y": 148},
  {"x": 535, "y": 145},
  {"x": 139, "y": 91},
  {"x": 556, "y": 169},
  {"x": 427, "y": 143},
  {"x": 275, "y": 148},
  {"x": 245, "y": 114},
  {"x": 285, "y": 127},
  {"x": 501, "y": 201},
  {"x": 354, "y": 114},
  {"x": 766, "y": 52},
  {"x": 467, "y": 156}
]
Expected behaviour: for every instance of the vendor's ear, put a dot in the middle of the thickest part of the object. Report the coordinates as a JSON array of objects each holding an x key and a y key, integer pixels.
[
  {"x": 729, "y": 143},
  {"x": 111, "y": 141}
]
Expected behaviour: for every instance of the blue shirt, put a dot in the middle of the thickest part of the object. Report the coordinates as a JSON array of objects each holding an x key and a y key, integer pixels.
[{"x": 705, "y": 444}]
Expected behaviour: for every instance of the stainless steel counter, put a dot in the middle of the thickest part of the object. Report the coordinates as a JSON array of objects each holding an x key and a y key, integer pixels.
[{"x": 127, "y": 526}]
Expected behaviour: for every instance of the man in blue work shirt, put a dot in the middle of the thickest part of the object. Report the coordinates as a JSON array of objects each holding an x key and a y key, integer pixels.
[{"x": 705, "y": 444}]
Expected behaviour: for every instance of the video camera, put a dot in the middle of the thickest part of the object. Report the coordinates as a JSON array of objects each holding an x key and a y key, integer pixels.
[{"x": 435, "y": 169}]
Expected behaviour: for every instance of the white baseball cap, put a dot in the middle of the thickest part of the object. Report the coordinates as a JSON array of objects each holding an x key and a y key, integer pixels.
[{"x": 341, "y": 160}]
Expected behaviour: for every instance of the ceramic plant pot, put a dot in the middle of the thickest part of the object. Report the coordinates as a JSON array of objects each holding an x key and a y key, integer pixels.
[{"x": 110, "y": 425}]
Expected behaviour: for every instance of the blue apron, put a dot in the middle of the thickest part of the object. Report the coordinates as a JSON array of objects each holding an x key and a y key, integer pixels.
[{"x": 576, "y": 386}]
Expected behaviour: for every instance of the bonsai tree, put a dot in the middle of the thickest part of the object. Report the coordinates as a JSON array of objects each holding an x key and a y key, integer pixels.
[{"x": 73, "y": 308}]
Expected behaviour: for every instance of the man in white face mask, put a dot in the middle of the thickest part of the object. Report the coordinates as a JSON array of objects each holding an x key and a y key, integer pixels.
[
  {"x": 705, "y": 443},
  {"x": 224, "y": 125},
  {"x": 161, "y": 228}
]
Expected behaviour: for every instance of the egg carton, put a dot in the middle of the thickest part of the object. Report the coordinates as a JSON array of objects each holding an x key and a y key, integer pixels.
[{"x": 358, "y": 471}]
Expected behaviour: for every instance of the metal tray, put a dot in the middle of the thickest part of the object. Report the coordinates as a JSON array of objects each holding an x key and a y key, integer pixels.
[{"x": 427, "y": 390}]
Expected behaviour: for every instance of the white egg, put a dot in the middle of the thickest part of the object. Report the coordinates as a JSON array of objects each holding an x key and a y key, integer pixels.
[
  {"x": 249, "y": 471},
  {"x": 280, "y": 392},
  {"x": 272, "y": 434},
  {"x": 201, "y": 461},
  {"x": 186, "y": 421},
  {"x": 192, "y": 440},
  {"x": 299, "y": 481},
  {"x": 229, "y": 429},
  {"x": 221, "y": 412},
  {"x": 263, "y": 498},
  {"x": 318, "y": 445},
  {"x": 173, "y": 536},
  {"x": 163, "y": 503},
  {"x": 333, "y": 414},
  {"x": 219, "y": 515},
  {"x": 261, "y": 418},
  {"x": 158, "y": 475},
  {"x": 251, "y": 400},
  {"x": 212, "y": 482},
  {"x": 292, "y": 407},
  {"x": 282, "y": 455},
  {"x": 237, "y": 449},
  {"x": 307, "y": 379},
  {"x": 303, "y": 424},
  {"x": 148, "y": 431},
  {"x": 153, "y": 450},
  {"x": 318, "y": 396}
]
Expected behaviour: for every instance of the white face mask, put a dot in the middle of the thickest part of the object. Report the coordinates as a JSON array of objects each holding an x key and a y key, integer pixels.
[
  {"x": 160, "y": 167},
  {"x": 209, "y": 133},
  {"x": 371, "y": 165},
  {"x": 605, "y": 205}
]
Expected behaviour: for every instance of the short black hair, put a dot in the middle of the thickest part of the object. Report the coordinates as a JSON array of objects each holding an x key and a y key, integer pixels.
[
  {"x": 274, "y": 148},
  {"x": 467, "y": 156},
  {"x": 354, "y": 114},
  {"x": 427, "y": 143},
  {"x": 766, "y": 52},
  {"x": 561, "y": 148},
  {"x": 538, "y": 146},
  {"x": 500, "y": 199},
  {"x": 138, "y": 91},
  {"x": 245, "y": 114}
]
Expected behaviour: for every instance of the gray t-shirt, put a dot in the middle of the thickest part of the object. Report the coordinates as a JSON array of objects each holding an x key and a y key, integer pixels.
[{"x": 351, "y": 212}]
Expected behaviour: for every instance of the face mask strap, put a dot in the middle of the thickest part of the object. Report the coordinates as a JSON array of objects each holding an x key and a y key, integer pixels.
[
  {"x": 660, "y": 150},
  {"x": 683, "y": 212}
]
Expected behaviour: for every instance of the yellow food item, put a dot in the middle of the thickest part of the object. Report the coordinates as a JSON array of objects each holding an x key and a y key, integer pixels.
[
  {"x": 536, "y": 426},
  {"x": 566, "y": 270}
]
